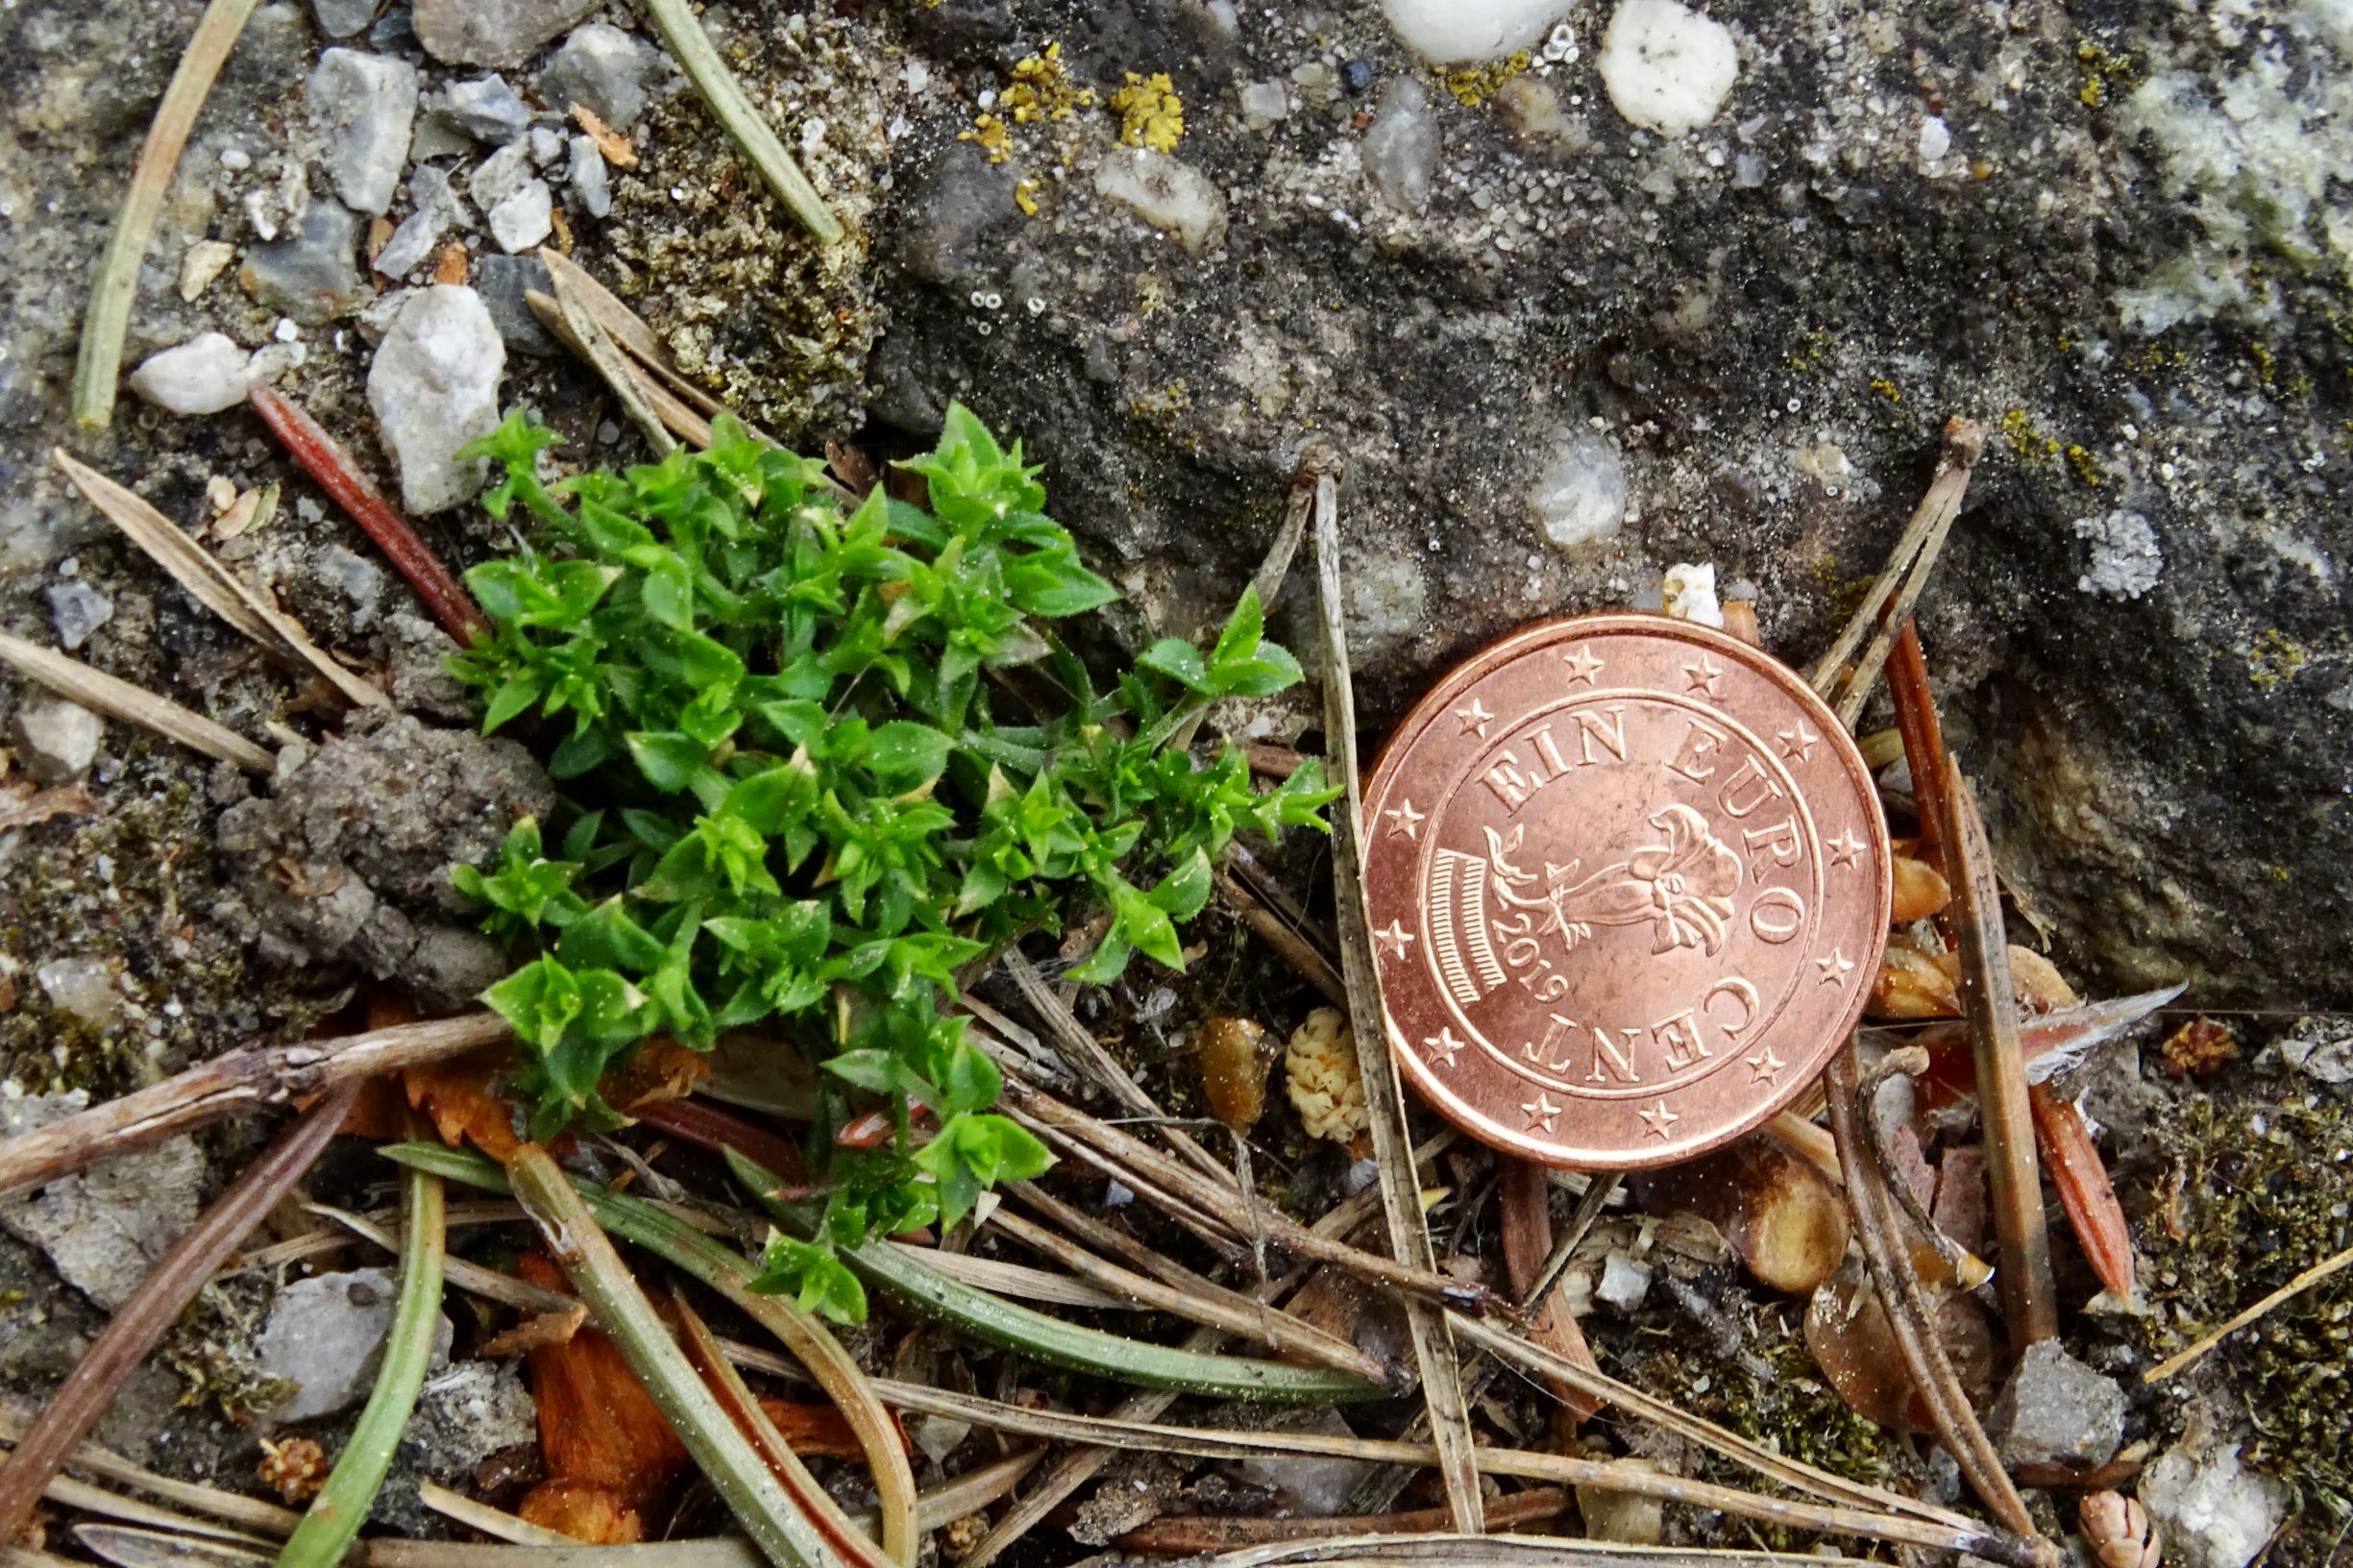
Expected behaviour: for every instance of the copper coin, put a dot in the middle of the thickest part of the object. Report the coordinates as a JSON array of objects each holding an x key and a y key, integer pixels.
[{"x": 1628, "y": 884}]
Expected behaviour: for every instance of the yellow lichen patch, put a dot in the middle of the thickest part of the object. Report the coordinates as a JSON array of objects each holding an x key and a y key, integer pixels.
[
  {"x": 1150, "y": 112},
  {"x": 1026, "y": 196},
  {"x": 2024, "y": 439},
  {"x": 1888, "y": 389},
  {"x": 2274, "y": 658},
  {"x": 989, "y": 133},
  {"x": 1041, "y": 91},
  {"x": 2102, "y": 73},
  {"x": 2086, "y": 466},
  {"x": 1475, "y": 85}
]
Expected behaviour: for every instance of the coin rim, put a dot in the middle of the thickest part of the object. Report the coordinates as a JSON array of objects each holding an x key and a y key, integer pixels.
[{"x": 1510, "y": 645}]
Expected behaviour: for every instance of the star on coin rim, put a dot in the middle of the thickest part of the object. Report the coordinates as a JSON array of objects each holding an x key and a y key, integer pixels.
[{"x": 1655, "y": 1146}]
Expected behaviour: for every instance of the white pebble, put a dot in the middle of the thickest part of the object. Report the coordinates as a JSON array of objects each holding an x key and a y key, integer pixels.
[{"x": 1668, "y": 68}]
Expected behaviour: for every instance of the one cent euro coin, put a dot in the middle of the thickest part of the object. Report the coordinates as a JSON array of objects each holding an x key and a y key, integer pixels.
[{"x": 1628, "y": 884}]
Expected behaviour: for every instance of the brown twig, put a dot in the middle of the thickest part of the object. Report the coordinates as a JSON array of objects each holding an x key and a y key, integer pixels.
[
  {"x": 1523, "y": 1198},
  {"x": 237, "y": 1083},
  {"x": 119, "y": 698},
  {"x": 1907, "y": 1309},
  {"x": 101, "y": 355},
  {"x": 125, "y": 1342},
  {"x": 1385, "y": 1103},
  {"x": 1302, "y": 954},
  {"x": 2014, "y": 1184},
  {"x": 1840, "y": 676},
  {"x": 1923, "y": 745},
  {"x": 320, "y": 457},
  {"x": 1187, "y": 1534}
]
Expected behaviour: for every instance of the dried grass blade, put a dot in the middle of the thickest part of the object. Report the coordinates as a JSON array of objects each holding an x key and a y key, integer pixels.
[
  {"x": 725, "y": 1552},
  {"x": 235, "y": 1083},
  {"x": 470, "y": 1276},
  {"x": 631, "y": 335},
  {"x": 1021, "y": 1281},
  {"x": 159, "y": 1301},
  {"x": 2014, "y": 1184},
  {"x": 1924, "y": 743},
  {"x": 595, "y": 345},
  {"x": 497, "y": 1523},
  {"x": 692, "y": 47},
  {"x": 1072, "y": 1129},
  {"x": 212, "y": 584},
  {"x": 680, "y": 421},
  {"x": 1530, "y": 1357},
  {"x": 117, "y": 698},
  {"x": 101, "y": 355},
  {"x": 1506, "y": 1552},
  {"x": 1888, "y": 606},
  {"x": 1082, "y": 1465},
  {"x": 1209, "y": 1308},
  {"x": 127, "y": 1547},
  {"x": 1302, "y": 954},
  {"x": 250, "y": 1515},
  {"x": 1186, "y": 1535},
  {"x": 2081, "y": 1178},
  {"x": 2295, "y": 1287},
  {"x": 1434, "y": 1349},
  {"x": 670, "y": 1236},
  {"x": 1907, "y": 1309},
  {"x": 67, "y": 1492},
  {"x": 743, "y": 1407},
  {"x": 769, "y": 1515},
  {"x": 1616, "y": 1475}
]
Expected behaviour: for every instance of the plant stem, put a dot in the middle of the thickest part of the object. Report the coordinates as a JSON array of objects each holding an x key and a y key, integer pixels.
[
  {"x": 759, "y": 1502},
  {"x": 118, "y": 275},
  {"x": 329, "y": 1529},
  {"x": 124, "y": 1343},
  {"x": 323, "y": 458},
  {"x": 235, "y": 1083},
  {"x": 686, "y": 39}
]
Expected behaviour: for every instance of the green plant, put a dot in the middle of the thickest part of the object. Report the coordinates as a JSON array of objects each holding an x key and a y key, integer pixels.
[{"x": 807, "y": 794}]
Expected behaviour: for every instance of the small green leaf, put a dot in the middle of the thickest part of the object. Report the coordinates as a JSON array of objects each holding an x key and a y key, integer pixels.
[
  {"x": 1181, "y": 662},
  {"x": 667, "y": 758}
]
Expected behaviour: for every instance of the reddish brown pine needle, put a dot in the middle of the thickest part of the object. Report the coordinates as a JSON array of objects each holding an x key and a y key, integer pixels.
[
  {"x": 320, "y": 457},
  {"x": 2073, "y": 1162},
  {"x": 708, "y": 1127},
  {"x": 158, "y": 1303}
]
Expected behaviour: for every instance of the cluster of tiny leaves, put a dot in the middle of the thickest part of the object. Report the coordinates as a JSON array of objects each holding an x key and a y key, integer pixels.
[{"x": 801, "y": 798}]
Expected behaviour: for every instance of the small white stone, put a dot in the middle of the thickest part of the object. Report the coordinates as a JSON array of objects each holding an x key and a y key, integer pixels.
[
  {"x": 1935, "y": 139},
  {"x": 1165, "y": 193},
  {"x": 206, "y": 260},
  {"x": 1580, "y": 497},
  {"x": 1624, "y": 1281},
  {"x": 1690, "y": 595},
  {"x": 202, "y": 376},
  {"x": 1402, "y": 148},
  {"x": 589, "y": 178},
  {"x": 523, "y": 219},
  {"x": 325, "y": 1337},
  {"x": 1460, "y": 31},
  {"x": 1263, "y": 103},
  {"x": 365, "y": 106},
  {"x": 82, "y": 987},
  {"x": 55, "y": 741},
  {"x": 434, "y": 387},
  {"x": 1668, "y": 68}
]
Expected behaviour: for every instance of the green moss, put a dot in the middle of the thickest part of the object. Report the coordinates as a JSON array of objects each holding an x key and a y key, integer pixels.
[{"x": 2259, "y": 1191}]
